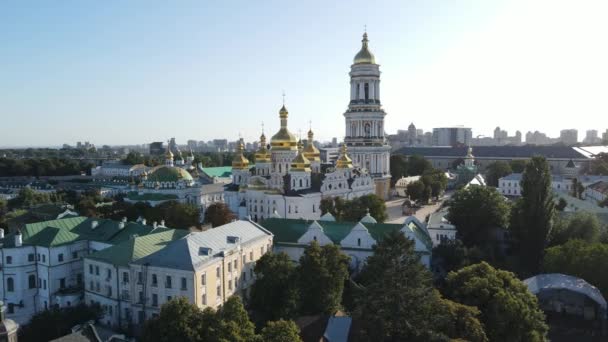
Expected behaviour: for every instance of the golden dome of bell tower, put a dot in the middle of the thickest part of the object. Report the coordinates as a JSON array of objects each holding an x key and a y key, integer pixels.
[
  {"x": 344, "y": 161},
  {"x": 300, "y": 162},
  {"x": 310, "y": 151},
  {"x": 239, "y": 162},
  {"x": 364, "y": 56},
  {"x": 262, "y": 155}
]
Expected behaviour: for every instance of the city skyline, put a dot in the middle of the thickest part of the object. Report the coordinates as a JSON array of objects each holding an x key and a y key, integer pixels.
[{"x": 122, "y": 74}]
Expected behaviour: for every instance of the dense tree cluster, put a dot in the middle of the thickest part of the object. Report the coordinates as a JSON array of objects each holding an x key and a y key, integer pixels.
[
  {"x": 37, "y": 167},
  {"x": 53, "y": 323},
  {"x": 432, "y": 183},
  {"x": 181, "y": 321},
  {"x": 219, "y": 214},
  {"x": 402, "y": 166},
  {"x": 497, "y": 170},
  {"x": 581, "y": 225},
  {"x": 599, "y": 165},
  {"x": 353, "y": 210}
]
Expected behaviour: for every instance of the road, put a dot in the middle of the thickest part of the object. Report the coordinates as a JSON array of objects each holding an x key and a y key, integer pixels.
[{"x": 395, "y": 215}]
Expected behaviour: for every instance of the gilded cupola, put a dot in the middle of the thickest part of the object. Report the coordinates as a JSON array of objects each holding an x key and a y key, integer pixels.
[
  {"x": 310, "y": 151},
  {"x": 284, "y": 140},
  {"x": 344, "y": 162},
  {"x": 300, "y": 162},
  {"x": 240, "y": 162},
  {"x": 364, "y": 56},
  {"x": 262, "y": 155}
]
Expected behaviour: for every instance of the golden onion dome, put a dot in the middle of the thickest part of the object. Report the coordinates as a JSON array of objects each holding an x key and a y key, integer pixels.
[
  {"x": 239, "y": 162},
  {"x": 310, "y": 151},
  {"x": 284, "y": 139},
  {"x": 300, "y": 162},
  {"x": 364, "y": 56},
  {"x": 262, "y": 155},
  {"x": 169, "y": 154},
  {"x": 344, "y": 162}
]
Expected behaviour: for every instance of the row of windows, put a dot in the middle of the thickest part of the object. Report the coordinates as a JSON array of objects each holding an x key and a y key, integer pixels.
[
  {"x": 40, "y": 257},
  {"x": 41, "y": 283}
]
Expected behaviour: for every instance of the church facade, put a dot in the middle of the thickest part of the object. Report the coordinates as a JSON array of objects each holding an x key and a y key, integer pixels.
[{"x": 364, "y": 119}]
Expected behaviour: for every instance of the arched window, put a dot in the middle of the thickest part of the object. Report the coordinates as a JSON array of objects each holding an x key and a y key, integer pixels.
[
  {"x": 31, "y": 281},
  {"x": 300, "y": 182},
  {"x": 359, "y": 242},
  {"x": 366, "y": 92},
  {"x": 10, "y": 284},
  {"x": 353, "y": 129},
  {"x": 368, "y": 130}
]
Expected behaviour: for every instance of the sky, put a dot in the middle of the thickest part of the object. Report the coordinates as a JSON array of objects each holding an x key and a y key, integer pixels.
[{"x": 132, "y": 72}]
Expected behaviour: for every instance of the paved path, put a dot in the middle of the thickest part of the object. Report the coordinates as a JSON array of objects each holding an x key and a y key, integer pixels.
[{"x": 395, "y": 215}]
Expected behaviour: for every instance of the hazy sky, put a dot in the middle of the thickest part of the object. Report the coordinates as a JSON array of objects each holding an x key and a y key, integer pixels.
[{"x": 122, "y": 72}]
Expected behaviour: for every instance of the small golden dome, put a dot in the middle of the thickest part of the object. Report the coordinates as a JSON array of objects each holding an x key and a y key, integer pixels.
[
  {"x": 169, "y": 154},
  {"x": 364, "y": 56},
  {"x": 344, "y": 162},
  {"x": 310, "y": 151},
  {"x": 262, "y": 155},
  {"x": 300, "y": 162},
  {"x": 240, "y": 162},
  {"x": 284, "y": 139}
]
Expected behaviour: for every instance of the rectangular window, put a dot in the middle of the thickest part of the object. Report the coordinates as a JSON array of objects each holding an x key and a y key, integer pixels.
[
  {"x": 236, "y": 282},
  {"x": 169, "y": 298},
  {"x": 244, "y": 260},
  {"x": 91, "y": 285},
  {"x": 60, "y": 257},
  {"x": 204, "y": 279},
  {"x": 38, "y": 257},
  {"x": 79, "y": 279},
  {"x": 96, "y": 270},
  {"x": 229, "y": 267},
  {"x": 204, "y": 299},
  {"x": 184, "y": 284},
  {"x": 74, "y": 255},
  {"x": 125, "y": 277},
  {"x": 44, "y": 284},
  {"x": 90, "y": 269},
  {"x": 154, "y": 299},
  {"x": 62, "y": 283},
  {"x": 97, "y": 286},
  {"x": 217, "y": 272},
  {"x": 140, "y": 278},
  {"x": 219, "y": 291},
  {"x": 30, "y": 257},
  {"x": 168, "y": 282},
  {"x": 236, "y": 264},
  {"x": 251, "y": 256},
  {"x": 154, "y": 280},
  {"x": 109, "y": 273},
  {"x": 43, "y": 257},
  {"x": 229, "y": 284},
  {"x": 141, "y": 297}
]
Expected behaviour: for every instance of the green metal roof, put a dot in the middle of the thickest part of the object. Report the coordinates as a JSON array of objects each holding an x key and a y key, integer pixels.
[
  {"x": 290, "y": 230},
  {"x": 135, "y": 248},
  {"x": 220, "y": 171}
]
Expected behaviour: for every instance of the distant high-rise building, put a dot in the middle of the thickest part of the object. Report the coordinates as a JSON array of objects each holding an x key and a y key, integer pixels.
[
  {"x": 156, "y": 148},
  {"x": 605, "y": 137},
  {"x": 192, "y": 145},
  {"x": 591, "y": 137},
  {"x": 568, "y": 136},
  {"x": 334, "y": 142},
  {"x": 518, "y": 137},
  {"x": 452, "y": 136}
]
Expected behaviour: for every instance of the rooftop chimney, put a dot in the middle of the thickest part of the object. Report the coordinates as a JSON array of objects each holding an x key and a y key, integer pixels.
[
  {"x": 1, "y": 233},
  {"x": 124, "y": 219},
  {"x": 154, "y": 224},
  {"x": 121, "y": 225},
  {"x": 94, "y": 224},
  {"x": 18, "y": 238},
  {"x": 143, "y": 221}
]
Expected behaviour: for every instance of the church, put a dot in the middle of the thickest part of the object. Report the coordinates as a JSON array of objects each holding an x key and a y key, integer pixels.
[{"x": 288, "y": 180}]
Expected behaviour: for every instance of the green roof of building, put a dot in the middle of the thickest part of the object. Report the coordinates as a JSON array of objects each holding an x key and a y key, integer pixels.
[
  {"x": 290, "y": 230},
  {"x": 70, "y": 229},
  {"x": 220, "y": 171},
  {"x": 135, "y": 248},
  {"x": 169, "y": 174}
]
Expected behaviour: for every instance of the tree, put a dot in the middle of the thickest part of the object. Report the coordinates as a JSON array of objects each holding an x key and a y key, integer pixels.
[
  {"x": 518, "y": 165},
  {"x": 599, "y": 165},
  {"x": 355, "y": 209},
  {"x": 274, "y": 294},
  {"x": 395, "y": 300},
  {"x": 416, "y": 191},
  {"x": 281, "y": 331},
  {"x": 477, "y": 211},
  {"x": 509, "y": 312},
  {"x": 417, "y": 165},
  {"x": 399, "y": 167},
  {"x": 532, "y": 215},
  {"x": 453, "y": 255},
  {"x": 561, "y": 204},
  {"x": 578, "y": 226},
  {"x": 436, "y": 180},
  {"x": 235, "y": 323},
  {"x": 133, "y": 158},
  {"x": 54, "y": 323},
  {"x": 179, "y": 320},
  {"x": 327, "y": 206},
  {"x": 580, "y": 259},
  {"x": 495, "y": 171},
  {"x": 219, "y": 214},
  {"x": 322, "y": 272}
]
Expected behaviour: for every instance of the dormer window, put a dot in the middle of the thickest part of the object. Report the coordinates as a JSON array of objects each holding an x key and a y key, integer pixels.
[{"x": 204, "y": 251}]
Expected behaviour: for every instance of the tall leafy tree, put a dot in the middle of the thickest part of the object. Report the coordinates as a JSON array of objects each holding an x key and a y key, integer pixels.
[
  {"x": 322, "y": 272},
  {"x": 509, "y": 312},
  {"x": 358, "y": 207},
  {"x": 417, "y": 165},
  {"x": 497, "y": 170},
  {"x": 532, "y": 215},
  {"x": 179, "y": 320},
  {"x": 415, "y": 191},
  {"x": 280, "y": 331},
  {"x": 235, "y": 323},
  {"x": 219, "y": 214},
  {"x": 395, "y": 300},
  {"x": 436, "y": 180},
  {"x": 518, "y": 165},
  {"x": 399, "y": 167},
  {"x": 476, "y": 211},
  {"x": 580, "y": 225},
  {"x": 274, "y": 294}
]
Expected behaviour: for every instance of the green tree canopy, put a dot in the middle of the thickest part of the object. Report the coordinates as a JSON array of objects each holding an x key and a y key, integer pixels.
[
  {"x": 532, "y": 215},
  {"x": 518, "y": 165},
  {"x": 274, "y": 294},
  {"x": 497, "y": 170},
  {"x": 280, "y": 331},
  {"x": 578, "y": 226},
  {"x": 179, "y": 320},
  {"x": 509, "y": 312},
  {"x": 476, "y": 211},
  {"x": 417, "y": 165},
  {"x": 321, "y": 275},
  {"x": 399, "y": 167},
  {"x": 54, "y": 323},
  {"x": 219, "y": 214},
  {"x": 415, "y": 191},
  {"x": 580, "y": 259},
  {"x": 395, "y": 300},
  {"x": 235, "y": 323},
  {"x": 353, "y": 210},
  {"x": 436, "y": 180}
]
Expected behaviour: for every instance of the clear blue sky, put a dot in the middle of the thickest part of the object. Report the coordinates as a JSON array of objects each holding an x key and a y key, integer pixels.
[{"x": 125, "y": 72}]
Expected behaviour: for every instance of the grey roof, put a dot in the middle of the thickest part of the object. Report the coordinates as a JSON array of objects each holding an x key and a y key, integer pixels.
[
  {"x": 185, "y": 254},
  {"x": 337, "y": 329},
  {"x": 527, "y": 151},
  {"x": 438, "y": 219},
  {"x": 558, "y": 281}
]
